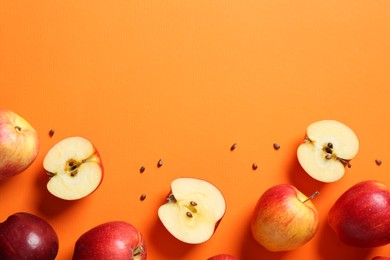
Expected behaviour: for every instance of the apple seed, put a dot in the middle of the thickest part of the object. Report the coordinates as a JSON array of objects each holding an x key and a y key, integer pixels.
[
  {"x": 51, "y": 132},
  {"x": 254, "y": 166},
  {"x": 193, "y": 203},
  {"x": 233, "y": 147},
  {"x": 143, "y": 197},
  {"x": 276, "y": 146},
  {"x": 189, "y": 214},
  {"x": 159, "y": 163},
  {"x": 378, "y": 162},
  {"x": 142, "y": 169}
]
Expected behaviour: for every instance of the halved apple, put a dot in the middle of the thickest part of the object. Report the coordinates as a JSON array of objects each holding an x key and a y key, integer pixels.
[
  {"x": 328, "y": 147},
  {"x": 193, "y": 210},
  {"x": 75, "y": 168}
]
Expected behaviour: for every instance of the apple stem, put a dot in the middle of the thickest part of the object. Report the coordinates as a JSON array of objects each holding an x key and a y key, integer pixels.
[
  {"x": 312, "y": 196},
  {"x": 345, "y": 162},
  {"x": 138, "y": 250},
  {"x": 171, "y": 198}
]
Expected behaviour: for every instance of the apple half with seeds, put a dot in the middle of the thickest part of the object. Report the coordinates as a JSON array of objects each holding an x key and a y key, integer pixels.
[
  {"x": 193, "y": 210},
  {"x": 75, "y": 168},
  {"x": 328, "y": 148}
]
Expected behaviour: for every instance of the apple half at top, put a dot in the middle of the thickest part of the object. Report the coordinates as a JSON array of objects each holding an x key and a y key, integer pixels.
[
  {"x": 328, "y": 148},
  {"x": 75, "y": 168},
  {"x": 193, "y": 210}
]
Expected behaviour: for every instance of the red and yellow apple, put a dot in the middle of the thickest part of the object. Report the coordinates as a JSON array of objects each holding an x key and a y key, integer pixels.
[
  {"x": 193, "y": 210},
  {"x": 329, "y": 146},
  {"x": 361, "y": 215},
  {"x": 27, "y": 236},
  {"x": 110, "y": 240},
  {"x": 75, "y": 168},
  {"x": 284, "y": 218},
  {"x": 19, "y": 144}
]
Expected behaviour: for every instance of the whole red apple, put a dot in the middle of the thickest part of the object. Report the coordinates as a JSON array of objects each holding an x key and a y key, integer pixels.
[
  {"x": 284, "y": 218},
  {"x": 26, "y": 236},
  {"x": 19, "y": 144},
  {"x": 361, "y": 215},
  {"x": 222, "y": 257},
  {"x": 111, "y": 240}
]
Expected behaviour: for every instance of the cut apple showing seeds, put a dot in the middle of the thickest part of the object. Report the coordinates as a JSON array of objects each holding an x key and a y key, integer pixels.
[
  {"x": 328, "y": 148},
  {"x": 75, "y": 168},
  {"x": 193, "y": 210}
]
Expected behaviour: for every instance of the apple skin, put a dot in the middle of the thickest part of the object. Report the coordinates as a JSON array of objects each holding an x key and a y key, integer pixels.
[
  {"x": 380, "y": 258},
  {"x": 19, "y": 144},
  {"x": 361, "y": 215},
  {"x": 284, "y": 219},
  {"x": 111, "y": 240},
  {"x": 222, "y": 257},
  {"x": 26, "y": 236}
]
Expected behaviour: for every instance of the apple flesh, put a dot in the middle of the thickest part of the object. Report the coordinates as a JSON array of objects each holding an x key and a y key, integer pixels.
[
  {"x": 329, "y": 146},
  {"x": 19, "y": 144},
  {"x": 361, "y": 215},
  {"x": 222, "y": 257},
  {"x": 284, "y": 218},
  {"x": 26, "y": 236},
  {"x": 75, "y": 168},
  {"x": 193, "y": 210},
  {"x": 111, "y": 240}
]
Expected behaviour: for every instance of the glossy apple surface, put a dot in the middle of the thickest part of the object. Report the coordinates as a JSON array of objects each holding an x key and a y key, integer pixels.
[
  {"x": 361, "y": 215},
  {"x": 222, "y": 257},
  {"x": 284, "y": 219},
  {"x": 111, "y": 240},
  {"x": 26, "y": 236},
  {"x": 329, "y": 146},
  {"x": 75, "y": 168},
  {"x": 193, "y": 209},
  {"x": 19, "y": 144}
]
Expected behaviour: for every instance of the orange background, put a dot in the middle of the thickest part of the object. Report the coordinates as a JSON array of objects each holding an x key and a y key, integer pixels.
[{"x": 182, "y": 81}]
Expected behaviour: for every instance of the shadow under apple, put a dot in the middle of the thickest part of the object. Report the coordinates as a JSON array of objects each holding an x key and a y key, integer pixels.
[
  {"x": 330, "y": 247},
  {"x": 166, "y": 243},
  {"x": 47, "y": 204}
]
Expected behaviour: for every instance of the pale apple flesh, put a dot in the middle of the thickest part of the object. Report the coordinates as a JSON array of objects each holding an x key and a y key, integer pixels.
[
  {"x": 74, "y": 167},
  {"x": 19, "y": 144},
  {"x": 329, "y": 147},
  {"x": 284, "y": 219},
  {"x": 193, "y": 210}
]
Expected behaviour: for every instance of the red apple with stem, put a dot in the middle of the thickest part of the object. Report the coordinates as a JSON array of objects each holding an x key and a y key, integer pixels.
[
  {"x": 284, "y": 218},
  {"x": 110, "y": 240},
  {"x": 361, "y": 215},
  {"x": 19, "y": 144},
  {"x": 27, "y": 236}
]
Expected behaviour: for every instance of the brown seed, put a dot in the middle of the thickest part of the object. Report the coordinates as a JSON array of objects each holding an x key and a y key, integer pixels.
[
  {"x": 159, "y": 163},
  {"x": 233, "y": 147},
  {"x": 143, "y": 197},
  {"x": 276, "y": 146},
  {"x": 378, "y": 162},
  {"x": 51, "y": 132},
  {"x": 142, "y": 169},
  {"x": 254, "y": 166},
  {"x": 193, "y": 203},
  {"x": 189, "y": 214}
]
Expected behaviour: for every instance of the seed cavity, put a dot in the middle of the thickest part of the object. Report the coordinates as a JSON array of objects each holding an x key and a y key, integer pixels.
[{"x": 71, "y": 167}]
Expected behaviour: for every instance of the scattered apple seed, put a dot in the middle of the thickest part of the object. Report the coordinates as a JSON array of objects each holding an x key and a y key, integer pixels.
[
  {"x": 143, "y": 197},
  {"x": 254, "y": 166},
  {"x": 378, "y": 162},
  {"x": 189, "y": 214},
  {"x": 276, "y": 146},
  {"x": 233, "y": 147},
  {"x": 51, "y": 132},
  {"x": 159, "y": 163},
  {"x": 142, "y": 169}
]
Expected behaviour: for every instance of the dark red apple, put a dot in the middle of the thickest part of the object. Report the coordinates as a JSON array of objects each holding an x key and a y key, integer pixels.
[
  {"x": 222, "y": 257},
  {"x": 26, "y": 236},
  {"x": 361, "y": 215},
  {"x": 111, "y": 240}
]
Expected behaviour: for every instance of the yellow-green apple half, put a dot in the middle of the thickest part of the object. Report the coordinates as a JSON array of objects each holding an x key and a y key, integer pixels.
[
  {"x": 284, "y": 218},
  {"x": 75, "y": 168},
  {"x": 110, "y": 240},
  {"x": 19, "y": 144},
  {"x": 361, "y": 215},
  {"x": 328, "y": 147},
  {"x": 193, "y": 210}
]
